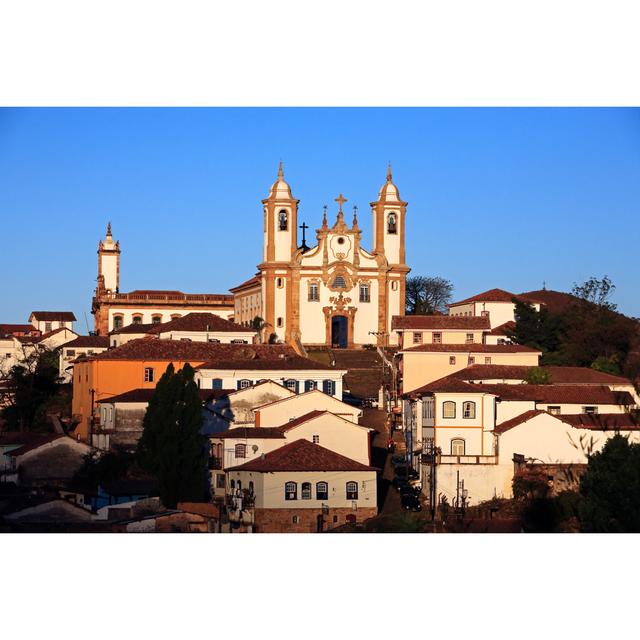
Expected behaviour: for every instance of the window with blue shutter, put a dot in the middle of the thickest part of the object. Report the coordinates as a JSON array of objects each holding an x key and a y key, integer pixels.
[
  {"x": 329, "y": 387},
  {"x": 216, "y": 383},
  {"x": 310, "y": 385},
  {"x": 292, "y": 385}
]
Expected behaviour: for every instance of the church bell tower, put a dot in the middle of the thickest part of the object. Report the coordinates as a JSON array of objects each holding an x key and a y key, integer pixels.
[
  {"x": 108, "y": 264},
  {"x": 280, "y": 244}
]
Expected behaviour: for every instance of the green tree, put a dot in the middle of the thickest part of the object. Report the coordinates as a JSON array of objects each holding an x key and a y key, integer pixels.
[
  {"x": 29, "y": 388},
  {"x": 426, "y": 295},
  {"x": 607, "y": 365},
  {"x": 538, "y": 375},
  {"x": 171, "y": 446},
  {"x": 537, "y": 329},
  {"x": 610, "y": 489}
]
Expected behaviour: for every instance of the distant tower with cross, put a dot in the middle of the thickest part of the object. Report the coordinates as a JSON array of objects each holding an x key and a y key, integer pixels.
[{"x": 335, "y": 292}]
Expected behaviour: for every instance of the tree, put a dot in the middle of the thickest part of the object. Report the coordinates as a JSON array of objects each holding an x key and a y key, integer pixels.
[
  {"x": 610, "y": 488},
  {"x": 607, "y": 365},
  {"x": 538, "y": 375},
  {"x": 596, "y": 292},
  {"x": 426, "y": 295},
  {"x": 29, "y": 388},
  {"x": 536, "y": 329},
  {"x": 171, "y": 446}
]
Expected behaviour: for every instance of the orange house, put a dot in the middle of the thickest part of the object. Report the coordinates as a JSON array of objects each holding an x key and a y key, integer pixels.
[{"x": 139, "y": 364}]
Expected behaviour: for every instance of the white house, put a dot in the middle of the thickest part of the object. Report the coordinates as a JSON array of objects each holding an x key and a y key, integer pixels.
[{"x": 47, "y": 321}]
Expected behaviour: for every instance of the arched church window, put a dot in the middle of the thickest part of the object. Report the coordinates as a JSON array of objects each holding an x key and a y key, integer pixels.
[
  {"x": 314, "y": 294},
  {"x": 282, "y": 220},
  {"x": 117, "y": 322},
  {"x": 339, "y": 282},
  {"x": 279, "y": 283},
  {"x": 392, "y": 223}
]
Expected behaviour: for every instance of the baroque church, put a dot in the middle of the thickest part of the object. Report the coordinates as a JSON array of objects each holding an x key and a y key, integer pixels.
[{"x": 335, "y": 293}]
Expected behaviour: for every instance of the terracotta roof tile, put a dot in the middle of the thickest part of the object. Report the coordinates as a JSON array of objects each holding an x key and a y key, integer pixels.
[
  {"x": 198, "y": 322},
  {"x": 62, "y": 316},
  {"x": 251, "y": 433},
  {"x": 602, "y": 421},
  {"x": 302, "y": 455},
  {"x": 448, "y": 384},
  {"x": 559, "y": 375},
  {"x": 145, "y": 395},
  {"x": 441, "y": 322},
  {"x": 494, "y": 295},
  {"x": 522, "y": 418},
  {"x": 472, "y": 348},
  {"x": 97, "y": 342},
  {"x": 559, "y": 393},
  {"x": 134, "y": 328},
  {"x": 9, "y": 329},
  {"x": 251, "y": 282},
  {"x": 502, "y": 329}
]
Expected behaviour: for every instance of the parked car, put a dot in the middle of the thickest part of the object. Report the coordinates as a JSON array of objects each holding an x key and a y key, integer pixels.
[{"x": 410, "y": 502}]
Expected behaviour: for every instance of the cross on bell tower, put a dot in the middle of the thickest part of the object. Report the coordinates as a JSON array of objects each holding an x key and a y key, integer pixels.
[{"x": 341, "y": 200}]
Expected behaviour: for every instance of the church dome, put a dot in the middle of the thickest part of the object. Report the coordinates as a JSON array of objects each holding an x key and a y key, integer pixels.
[
  {"x": 280, "y": 190},
  {"x": 389, "y": 191}
]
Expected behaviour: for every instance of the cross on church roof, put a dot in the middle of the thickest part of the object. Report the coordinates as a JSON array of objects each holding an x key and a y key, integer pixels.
[{"x": 341, "y": 200}]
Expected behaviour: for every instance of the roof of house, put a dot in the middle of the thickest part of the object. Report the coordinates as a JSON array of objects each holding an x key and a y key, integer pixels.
[
  {"x": 135, "y": 328},
  {"x": 448, "y": 384},
  {"x": 62, "y": 316},
  {"x": 199, "y": 322},
  {"x": 494, "y": 295},
  {"x": 44, "y": 336},
  {"x": 441, "y": 322},
  {"x": 603, "y": 421},
  {"x": 263, "y": 382},
  {"x": 302, "y": 455},
  {"x": 204, "y": 509},
  {"x": 517, "y": 420},
  {"x": 27, "y": 441},
  {"x": 559, "y": 393},
  {"x": 559, "y": 375},
  {"x": 502, "y": 329},
  {"x": 145, "y": 395},
  {"x": 473, "y": 348},
  {"x": 97, "y": 342},
  {"x": 251, "y": 282},
  {"x": 17, "y": 328},
  {"x": 593, "y": 421},
  {"x": 251, "y": 433}
]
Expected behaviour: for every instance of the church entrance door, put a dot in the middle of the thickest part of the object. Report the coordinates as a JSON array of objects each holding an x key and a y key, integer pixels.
[{"x": 339, "y": 332}]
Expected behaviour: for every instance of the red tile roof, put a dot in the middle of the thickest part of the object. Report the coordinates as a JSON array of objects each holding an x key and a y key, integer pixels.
[
  {"x": 145, "y": 395},
  {"x": 522, "y": 418},
  {"x": 247, "y": 284},
  {"x": 215, "y": 355},
  {"x": 441, "y": 322},
  {"x": 27, "y": 441},
  {"x": 602, "y": 421},
  {"x": 559, "y": 393},
  {"x": 472, "y": 348},
  {"x": 503, "y": 328},
  {"x": 44, "y": 336},
  {"x": 251, "y": 433},
  {"x": 62, "y": 316},
  {"x": 97, "y": 342},
  {"x": 493, "y": 295},
  {"x": 448, "y": 384},
  {"x": 135, "y": 328},
  {"x": 9, "y": 329},
  {"x": 198, "y": 322},
  {"x": 559, "y": 375},
  {"x": 302, "y": 455},
  {"x": 204, "y": 509},
  {"x": 595, "y": 422}
]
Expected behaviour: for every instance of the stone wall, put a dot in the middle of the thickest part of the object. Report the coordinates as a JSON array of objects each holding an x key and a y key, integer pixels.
[{"x": 281, "y": 520}]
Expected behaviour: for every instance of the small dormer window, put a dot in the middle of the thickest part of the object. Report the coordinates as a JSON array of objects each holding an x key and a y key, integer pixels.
[
  {"x": 392, "y": 223},
  {"x": 283, "y": 220}
]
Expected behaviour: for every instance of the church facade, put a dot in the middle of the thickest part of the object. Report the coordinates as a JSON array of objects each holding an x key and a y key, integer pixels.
[{"x": 336, "y": 293}]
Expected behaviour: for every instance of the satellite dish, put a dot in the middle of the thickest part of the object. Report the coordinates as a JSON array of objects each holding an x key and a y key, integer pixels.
[{"x": 254, "y": 447}]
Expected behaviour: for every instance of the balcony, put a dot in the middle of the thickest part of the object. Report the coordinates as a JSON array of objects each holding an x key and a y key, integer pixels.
[{"x": 214, "y": 463}]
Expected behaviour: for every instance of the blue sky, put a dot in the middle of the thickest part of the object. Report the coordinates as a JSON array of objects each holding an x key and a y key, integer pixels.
[{"x": 497, "y": 197}]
